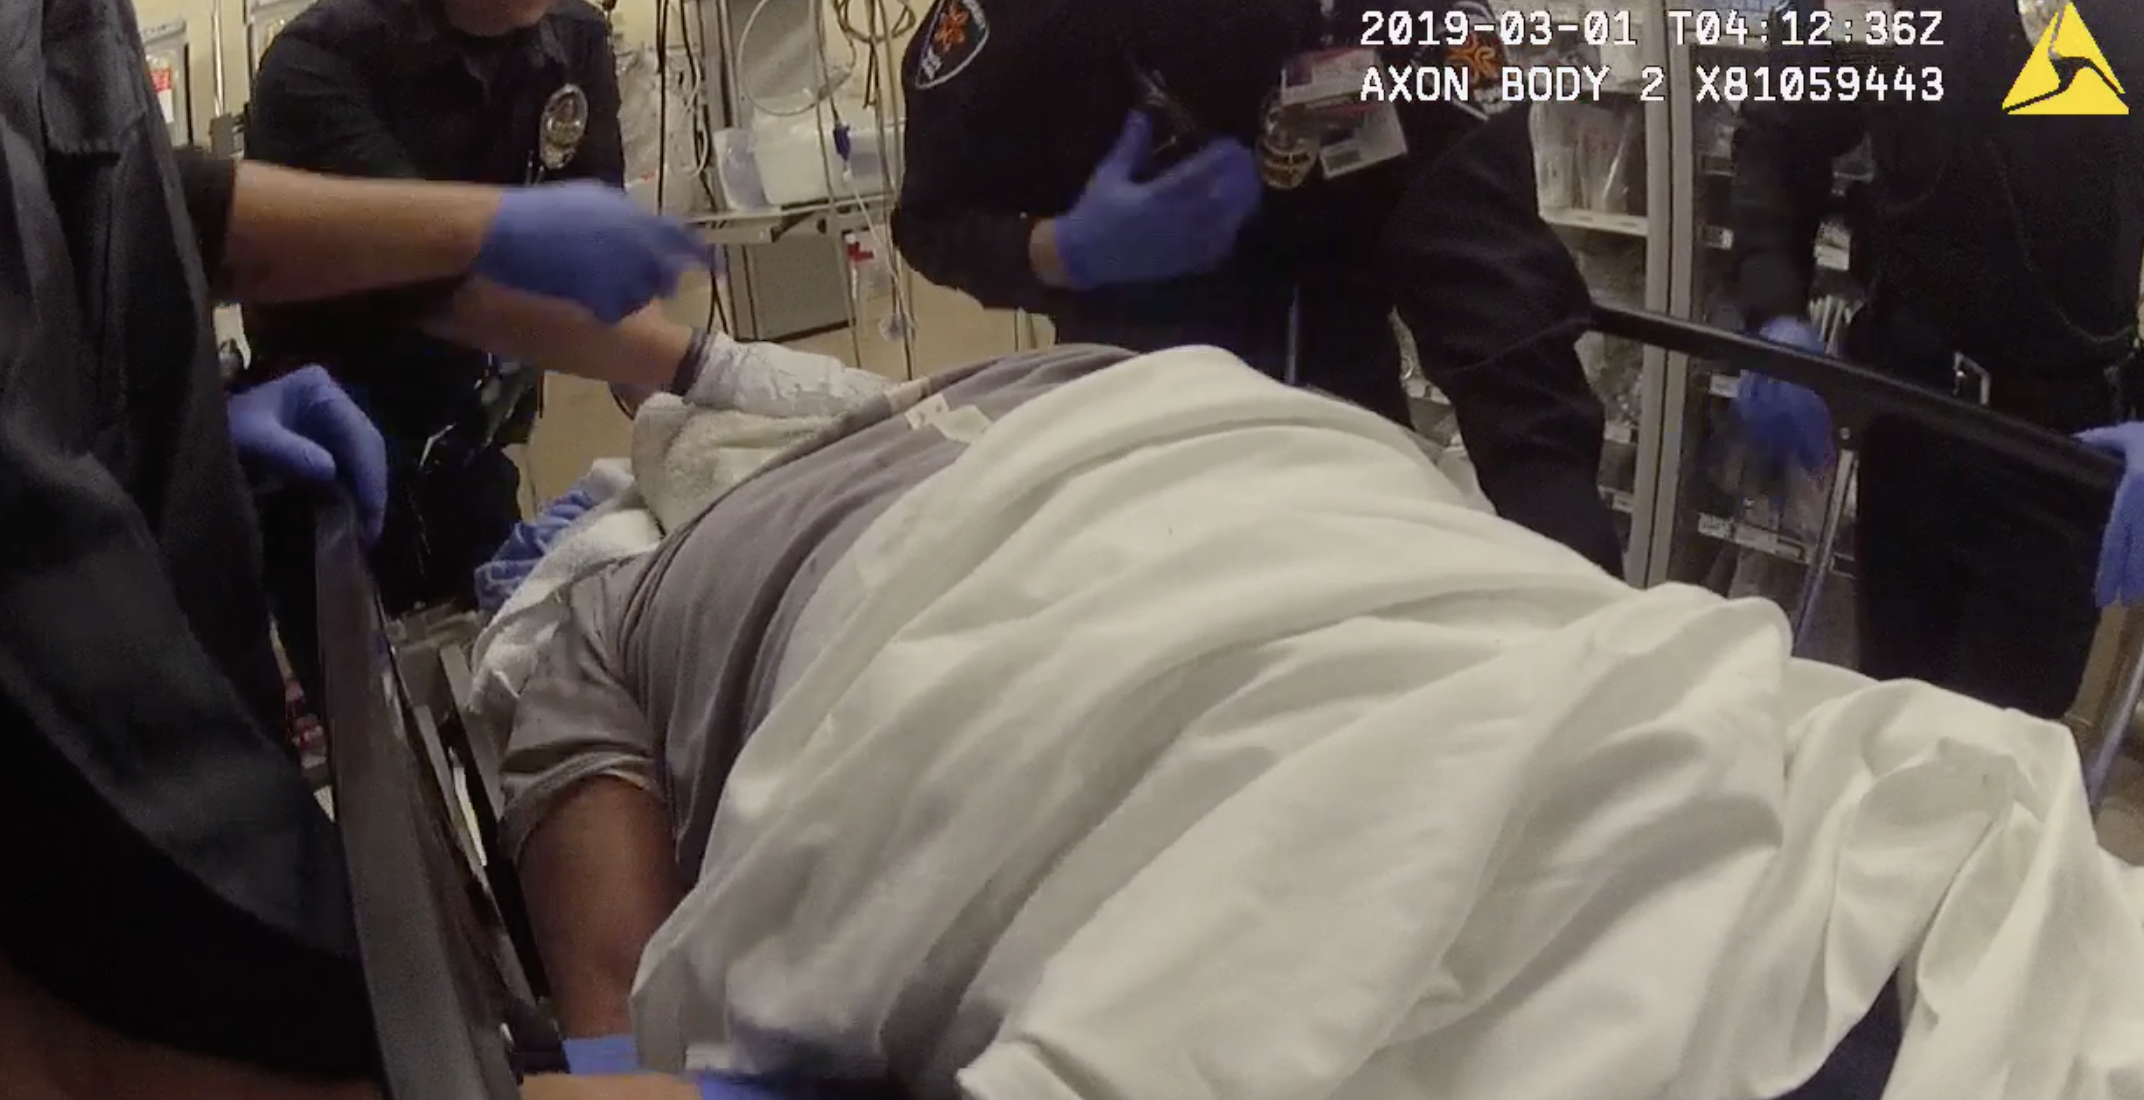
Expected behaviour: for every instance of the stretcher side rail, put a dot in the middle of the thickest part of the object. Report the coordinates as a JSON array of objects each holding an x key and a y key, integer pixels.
[
  {"x": 1857, "y": 395},
  {"x": 437, "y": 1014}
]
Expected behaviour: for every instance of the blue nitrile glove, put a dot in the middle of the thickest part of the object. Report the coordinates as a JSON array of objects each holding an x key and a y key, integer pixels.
[
  {"x": 589, "y": 244},
  {"x": 716, "y": 1086},
  {"x": 1181, "y": 222},
  {"x": 1783, "y": 420},
  {"x": 603, "y": 1056},
  {"x": 2121, "y": 549},
  {"x": 303, "y": 427},
  {"x": 516, "y": 558}
]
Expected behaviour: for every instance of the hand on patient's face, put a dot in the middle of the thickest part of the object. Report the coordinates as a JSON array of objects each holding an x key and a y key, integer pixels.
[{"x": 639, "y": 1086}]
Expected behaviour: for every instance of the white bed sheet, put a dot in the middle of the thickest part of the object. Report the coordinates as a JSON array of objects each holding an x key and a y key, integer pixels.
[{"x": 1191, "y": 738}]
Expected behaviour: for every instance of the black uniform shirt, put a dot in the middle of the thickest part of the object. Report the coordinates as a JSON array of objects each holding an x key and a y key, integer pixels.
[
  {"x": 2016, "y": 237},
  {"x": 388, "y": 89},
  {"x": 168, "y": 871},
  {"x": 1009, "y": 123}
]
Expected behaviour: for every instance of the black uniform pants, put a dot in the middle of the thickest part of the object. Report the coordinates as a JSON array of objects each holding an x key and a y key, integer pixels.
[
  {"x": 441, "y": 524},
  {"x": 1977, "y": 575}
]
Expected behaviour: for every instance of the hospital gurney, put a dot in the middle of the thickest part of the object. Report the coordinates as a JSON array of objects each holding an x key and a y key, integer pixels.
[{"x": 454, "y": 993}]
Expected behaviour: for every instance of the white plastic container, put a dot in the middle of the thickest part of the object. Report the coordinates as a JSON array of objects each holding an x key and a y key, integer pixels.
[
  {"x": 736, "y": 177},
  {"x": 868, "y": 162},
  {"x": 796, "y": 160}
]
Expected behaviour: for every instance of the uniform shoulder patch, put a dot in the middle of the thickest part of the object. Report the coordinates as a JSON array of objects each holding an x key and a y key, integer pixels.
[{"x": 952, "y": 38}]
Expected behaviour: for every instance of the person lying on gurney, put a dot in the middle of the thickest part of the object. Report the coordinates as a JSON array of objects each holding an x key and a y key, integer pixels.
[{"x": 1083, "y": 725}]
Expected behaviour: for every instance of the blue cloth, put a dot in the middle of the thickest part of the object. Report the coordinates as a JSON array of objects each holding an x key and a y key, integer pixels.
[
  {"x": 588, "y": 243},
  {"x": 604, "y": 1055},
  {"x": 304, "y": 428},
  {"x": 1181, "y": 222},
  {"x": 2121, "y": 549},
  {"x": 1782, "y": 420},
  {"x": 516, "y": 558}
]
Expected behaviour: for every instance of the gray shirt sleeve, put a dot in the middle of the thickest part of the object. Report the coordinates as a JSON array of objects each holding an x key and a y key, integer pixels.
[{"x": 576, "y": 720}]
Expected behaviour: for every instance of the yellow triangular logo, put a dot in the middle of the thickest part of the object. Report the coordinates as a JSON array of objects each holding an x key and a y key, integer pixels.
[{"x": 2066, "y": 74}]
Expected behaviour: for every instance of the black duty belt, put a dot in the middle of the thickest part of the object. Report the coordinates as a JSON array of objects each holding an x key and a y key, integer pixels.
[
  {"x": 2067, "y": 401},
  {"x": 2065, "y": 397}
]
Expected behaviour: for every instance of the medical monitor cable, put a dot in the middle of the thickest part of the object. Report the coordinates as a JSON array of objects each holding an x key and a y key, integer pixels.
[{"x": 831, "y": 77}]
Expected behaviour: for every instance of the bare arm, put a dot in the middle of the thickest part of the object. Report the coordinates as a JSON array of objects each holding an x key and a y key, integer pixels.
[
  {"x": 295, "y": 236},
  {"x": 600, "y": 880},
  {"x": 644, "y": 350}
]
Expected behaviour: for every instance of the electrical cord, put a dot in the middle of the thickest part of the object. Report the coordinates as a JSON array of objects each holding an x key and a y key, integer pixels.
[
  {"x": 901, "y": 321},
  {"x": 901, "y": 25},
  {"x": 831, "y": 78}
]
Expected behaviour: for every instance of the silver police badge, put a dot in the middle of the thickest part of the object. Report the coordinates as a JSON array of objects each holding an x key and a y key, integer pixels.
[{"x": 563, "y": 125}]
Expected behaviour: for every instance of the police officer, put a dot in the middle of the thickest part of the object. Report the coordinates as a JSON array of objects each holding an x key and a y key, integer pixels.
[
  {"x": 1132, "y": 171},
  {"x": 174, "y": 922},
  {"x": 482, "y": 91},
  {"x": 2000, "y": 253}
]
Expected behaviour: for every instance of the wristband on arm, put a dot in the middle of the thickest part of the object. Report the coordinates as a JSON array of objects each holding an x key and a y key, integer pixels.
[{"x": 689, "y": 367}]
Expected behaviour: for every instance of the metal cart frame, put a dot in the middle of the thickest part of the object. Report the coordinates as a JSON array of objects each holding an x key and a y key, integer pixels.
[{"x": 450, "y": 978}]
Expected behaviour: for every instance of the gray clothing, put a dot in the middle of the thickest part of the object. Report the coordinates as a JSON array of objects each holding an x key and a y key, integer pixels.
[{"x": 675, "y": 656}]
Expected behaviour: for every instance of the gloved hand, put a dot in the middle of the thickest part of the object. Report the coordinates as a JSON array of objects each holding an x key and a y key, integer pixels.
[
  {"x": 302, "y": 426},
  {"x": 588, "y": 244},
  {"x": 516, "y": 558},
  {"x": 1181, "y": 222},
  {"x": 602, "y": 1056},
  {"x": 1784, "y": 420},
  {"x": 2121, "y": 549}
]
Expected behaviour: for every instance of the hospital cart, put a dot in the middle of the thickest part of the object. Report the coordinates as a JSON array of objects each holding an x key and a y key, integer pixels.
[{"x": 454, "y": 985}]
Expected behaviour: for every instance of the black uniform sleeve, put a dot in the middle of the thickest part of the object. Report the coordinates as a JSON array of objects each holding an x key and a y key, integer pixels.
[
  {"x": 602, "y": 152},
  {"x": 1783, "y": 157},
  {"x": 1495, "y": 304},
  {"x": 208, "y": 183},
  {"x": 953, "y": 221},
  {"x": 312, "y": 110},
  {"x": 983, "y": 255}
]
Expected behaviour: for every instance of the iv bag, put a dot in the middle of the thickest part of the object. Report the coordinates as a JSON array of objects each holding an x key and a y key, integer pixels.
[{"x": 657, "y": 135}]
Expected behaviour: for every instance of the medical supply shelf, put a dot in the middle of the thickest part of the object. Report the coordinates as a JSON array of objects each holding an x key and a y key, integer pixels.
[
  {"x": 1602, "y": 175},
  {"x": 1720, "y": 514}
]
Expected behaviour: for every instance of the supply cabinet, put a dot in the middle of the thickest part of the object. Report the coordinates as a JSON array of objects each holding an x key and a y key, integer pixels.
[
  {"x": 1601, "y": 169},
  {"x": 1729, "y": 518},
  {"x": 1638, "y": 182}
]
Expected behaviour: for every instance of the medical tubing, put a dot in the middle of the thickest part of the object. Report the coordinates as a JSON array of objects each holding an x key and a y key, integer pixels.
[{"x": 830, "y": 77}]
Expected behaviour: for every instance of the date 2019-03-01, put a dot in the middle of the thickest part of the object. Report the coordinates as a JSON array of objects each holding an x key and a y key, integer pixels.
[{"x": 1892, "y": 75}]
